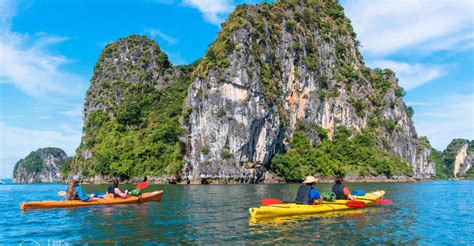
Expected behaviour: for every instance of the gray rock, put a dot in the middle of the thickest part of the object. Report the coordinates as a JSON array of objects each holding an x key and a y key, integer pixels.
[{"x": 236, "y": 122}]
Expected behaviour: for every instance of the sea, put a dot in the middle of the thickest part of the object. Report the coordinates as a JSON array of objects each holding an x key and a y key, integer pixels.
[{"x": 422, "y": 213}]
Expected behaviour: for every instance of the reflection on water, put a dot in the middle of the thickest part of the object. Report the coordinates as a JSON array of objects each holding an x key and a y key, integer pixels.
[{"x": 423, "y": 213}]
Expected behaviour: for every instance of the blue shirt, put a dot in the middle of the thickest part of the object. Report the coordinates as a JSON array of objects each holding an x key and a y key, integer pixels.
[{"x": 314, "y": 194}]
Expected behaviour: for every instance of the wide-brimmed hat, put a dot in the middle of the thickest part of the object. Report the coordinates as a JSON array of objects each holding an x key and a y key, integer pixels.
[{"x": 310, "y": 179}]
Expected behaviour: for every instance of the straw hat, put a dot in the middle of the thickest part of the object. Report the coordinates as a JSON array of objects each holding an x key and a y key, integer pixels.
[{"x": 310, "y": 179}]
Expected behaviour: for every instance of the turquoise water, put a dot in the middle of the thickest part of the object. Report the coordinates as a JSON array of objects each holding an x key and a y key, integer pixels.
[{"x": 427, "y": 213}]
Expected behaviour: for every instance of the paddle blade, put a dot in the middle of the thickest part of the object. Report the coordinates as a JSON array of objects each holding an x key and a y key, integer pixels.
[
  {"x": 383, "y": 202},
  {"x": 62, "y": 193},
  {"x": 355, "y": 204},
  {"x": 142, "y": 185},
  {"x": 270, "y": 201}
]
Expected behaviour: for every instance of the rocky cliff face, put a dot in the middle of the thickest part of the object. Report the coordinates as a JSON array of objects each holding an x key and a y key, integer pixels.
[
  {"x": 40, "y": 166},
  {"x": 272, "y": 68},
  {"x": 131, "y": 113},
  {"x": 132, "y": 60},
  {"x": 456, "y": 160},
  {"x": 274, "y": 65}
]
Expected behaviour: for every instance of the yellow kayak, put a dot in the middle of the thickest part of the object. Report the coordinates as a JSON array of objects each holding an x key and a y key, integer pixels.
[
  {"x": 154, "y": 196},
  {"x": 292, "y": 209}
]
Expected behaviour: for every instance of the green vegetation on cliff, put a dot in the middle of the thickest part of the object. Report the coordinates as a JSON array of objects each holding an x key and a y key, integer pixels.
[
  {"x": 133, "y": 110},
  {"x": 442, "y": 172},
  {"x": 43, "y": 165},
  {"x": 34, "y": 161},
  {"x": 143, "y": 138},
  {"x": 345, "y": 155}
]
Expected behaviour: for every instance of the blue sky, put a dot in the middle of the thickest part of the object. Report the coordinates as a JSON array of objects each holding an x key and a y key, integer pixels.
[{"x": 48, "y": 50}]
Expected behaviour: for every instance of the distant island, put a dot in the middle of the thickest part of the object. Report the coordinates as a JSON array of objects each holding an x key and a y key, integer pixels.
[
  {"x": 281, "y": 93},
  {"x": 40, "y": 166}
]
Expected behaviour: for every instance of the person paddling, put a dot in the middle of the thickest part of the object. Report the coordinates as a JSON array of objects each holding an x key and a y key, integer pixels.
[
  {"x": 115, "y": 190},
  {"x": 307, "y": 194},
  {"x": 74, "y": 191},
  {"x": 341, "y": 191}
]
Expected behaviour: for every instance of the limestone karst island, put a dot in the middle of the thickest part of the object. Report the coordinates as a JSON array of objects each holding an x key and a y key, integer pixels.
[{"x": 237, "y": 122}]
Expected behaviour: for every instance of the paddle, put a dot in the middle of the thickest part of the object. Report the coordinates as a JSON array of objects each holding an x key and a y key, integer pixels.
[
  {"x": 270, "y": 201},
  {"x": 379, "y": 201},
  {"x": 142, "y": 185},
  {"x": 351, "y": 204}
]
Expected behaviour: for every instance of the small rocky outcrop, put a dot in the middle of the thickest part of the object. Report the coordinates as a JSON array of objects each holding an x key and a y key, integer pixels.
[
  {"x": 40, "y": 166},
  {"x": 455, "y": 161},
  {"x": 461, "y": 153}
]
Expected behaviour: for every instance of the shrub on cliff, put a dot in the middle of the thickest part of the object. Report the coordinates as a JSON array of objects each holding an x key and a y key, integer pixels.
[{"x": 143, "y": 137}]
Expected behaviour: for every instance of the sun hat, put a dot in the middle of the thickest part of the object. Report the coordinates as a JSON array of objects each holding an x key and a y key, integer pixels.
[{"x": 310, "y": 179}]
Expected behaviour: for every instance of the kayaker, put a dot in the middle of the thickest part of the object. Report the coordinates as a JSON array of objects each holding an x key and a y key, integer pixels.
[
  {"x": 307, "y": 194},
  {"x": 115, "y": 190},
  {"x": 74, "y": 191},
  {"x": 341, "y": 191}
]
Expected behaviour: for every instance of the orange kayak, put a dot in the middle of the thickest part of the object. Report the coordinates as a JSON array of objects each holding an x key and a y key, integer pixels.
[{"x": 154, "y": 196}]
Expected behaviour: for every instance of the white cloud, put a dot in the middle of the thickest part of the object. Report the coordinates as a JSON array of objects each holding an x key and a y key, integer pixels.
[
  {"x": 389, "y": 26},
  {"x": 17, "y": 142},
  {"x": 449, "y": 117},
  {"x": 27, "y": 62},
  {"x": 34, "y": 70},
  {"x": 214, "y": 11},
  {"x": 410, "y": 75},
  {"x": 154, "y": 33}
]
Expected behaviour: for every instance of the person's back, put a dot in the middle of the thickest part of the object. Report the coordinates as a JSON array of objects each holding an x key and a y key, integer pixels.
[
  {"x": 75, "y": 192},
  {"x": 110, "y": 189},
  {"x": 303, "y": 194},
  {"x": 341, "y": 191},
  {"x": 71, "y": 191},
  {"x": 307, "y": 194}
]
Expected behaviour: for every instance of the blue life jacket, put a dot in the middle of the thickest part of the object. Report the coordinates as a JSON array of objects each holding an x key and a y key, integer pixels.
[{"x": 303, "y": 195}]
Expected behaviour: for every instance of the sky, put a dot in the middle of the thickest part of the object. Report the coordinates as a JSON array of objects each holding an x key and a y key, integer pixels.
[{"x": 48, "y": 50}]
